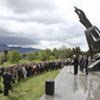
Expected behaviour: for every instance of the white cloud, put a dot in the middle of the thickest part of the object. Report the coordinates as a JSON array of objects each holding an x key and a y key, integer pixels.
[
  {"x": 24, "y": 6},
  {"x": 45, "y": 23}
]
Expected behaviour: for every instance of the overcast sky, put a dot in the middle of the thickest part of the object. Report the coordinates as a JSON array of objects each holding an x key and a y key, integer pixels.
[{"x": 46, "y": 23}]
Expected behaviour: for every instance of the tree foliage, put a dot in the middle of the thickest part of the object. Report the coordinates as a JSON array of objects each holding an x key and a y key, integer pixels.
[
  {"x": 31, "y": 56},
  {"x": 5, "y": 55},
  {"x": 14, "y": 57},
  {"x": 43, "y": 55},
  {"x": 2, "y": 58},
  {"x": 49, "y": 54}
]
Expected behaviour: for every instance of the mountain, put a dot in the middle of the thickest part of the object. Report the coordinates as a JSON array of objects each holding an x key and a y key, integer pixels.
[
  {"x": 20, "y": 49},
  {"x": 23, "y": 50}
]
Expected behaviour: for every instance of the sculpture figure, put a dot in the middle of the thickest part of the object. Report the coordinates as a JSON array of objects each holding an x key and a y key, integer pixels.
[
  {"x": 92, "y": 33},
  {"x": 84, "y": 20}
]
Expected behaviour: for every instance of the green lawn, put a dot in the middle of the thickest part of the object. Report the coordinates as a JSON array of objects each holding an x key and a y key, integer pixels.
[{"x": 30, "y": 89}]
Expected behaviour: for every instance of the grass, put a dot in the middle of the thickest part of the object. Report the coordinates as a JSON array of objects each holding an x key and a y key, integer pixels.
[{"x": 31, "y": 88}]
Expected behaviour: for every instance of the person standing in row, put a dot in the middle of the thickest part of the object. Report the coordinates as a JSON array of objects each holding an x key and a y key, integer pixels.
[
  {"x": 7, "y": 82},
  {"x": 81, "y": 62}
]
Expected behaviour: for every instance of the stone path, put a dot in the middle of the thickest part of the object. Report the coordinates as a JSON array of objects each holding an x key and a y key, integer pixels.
[{"x": 75, "y": 87}]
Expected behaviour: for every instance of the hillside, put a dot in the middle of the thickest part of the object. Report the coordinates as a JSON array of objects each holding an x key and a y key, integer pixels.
[{"x": 20, "y": 49}]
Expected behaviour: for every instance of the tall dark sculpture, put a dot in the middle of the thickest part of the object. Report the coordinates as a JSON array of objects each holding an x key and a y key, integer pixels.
[
  {"x": 83, "y": 18},
  {"x": 92, "y": 33}
]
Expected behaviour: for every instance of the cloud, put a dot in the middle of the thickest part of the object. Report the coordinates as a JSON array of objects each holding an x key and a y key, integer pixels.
[
  {"x": 24, "y": 6},
  {"x": 8, "y": 38},
  {"x": 40, "y": 35},
  {"x": 45, "y": 23},
  {"x": 40, "y": 11}
]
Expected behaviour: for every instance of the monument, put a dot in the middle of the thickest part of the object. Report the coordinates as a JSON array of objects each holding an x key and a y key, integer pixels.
[{"x": 92, "y": 34}]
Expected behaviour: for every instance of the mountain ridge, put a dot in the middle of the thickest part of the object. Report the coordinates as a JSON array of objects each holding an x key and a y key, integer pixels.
[{"x": 19, "y": 48}]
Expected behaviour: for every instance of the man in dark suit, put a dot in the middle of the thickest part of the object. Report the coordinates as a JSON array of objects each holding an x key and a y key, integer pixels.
[
  {"x": 75, "y": 63},
  {"x": 7, "y": 82}
]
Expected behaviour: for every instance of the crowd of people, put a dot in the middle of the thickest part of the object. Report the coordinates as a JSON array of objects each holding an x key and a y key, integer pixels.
[{"x": 21, "y": 71}]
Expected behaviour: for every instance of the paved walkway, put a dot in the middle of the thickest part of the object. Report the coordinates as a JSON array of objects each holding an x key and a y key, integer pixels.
[{"x": 75, "y": 87}]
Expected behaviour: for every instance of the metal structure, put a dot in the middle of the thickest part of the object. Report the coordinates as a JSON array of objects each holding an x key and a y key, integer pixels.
[
  {"x": 93, "y": 43},
  {"x": 92, "y": 33}
]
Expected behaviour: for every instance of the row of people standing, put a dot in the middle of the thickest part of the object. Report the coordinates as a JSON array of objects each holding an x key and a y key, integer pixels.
[
  {"x": 82, "y": 62},
  {"x": 21, "y": 71}
]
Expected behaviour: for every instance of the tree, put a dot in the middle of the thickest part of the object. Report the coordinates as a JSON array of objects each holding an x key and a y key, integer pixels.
[
  {"x": 77, "y": 51},
  {"x": 31, "y": 56},
  {"x": 23, "y": 55},
  {"x": 48, "y": 53},
  {"x": 5, "y": 55},
  {"x": 55, "y": 53},
  {"x": 52, "y": 58},
  {"x": 14, "y": 57},
  {"x": 1, "y": 58},
  {"x": 42, "y": 55}
]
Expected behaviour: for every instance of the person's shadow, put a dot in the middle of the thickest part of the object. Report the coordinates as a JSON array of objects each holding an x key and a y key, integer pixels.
[{"x": 75, "y": 85}]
